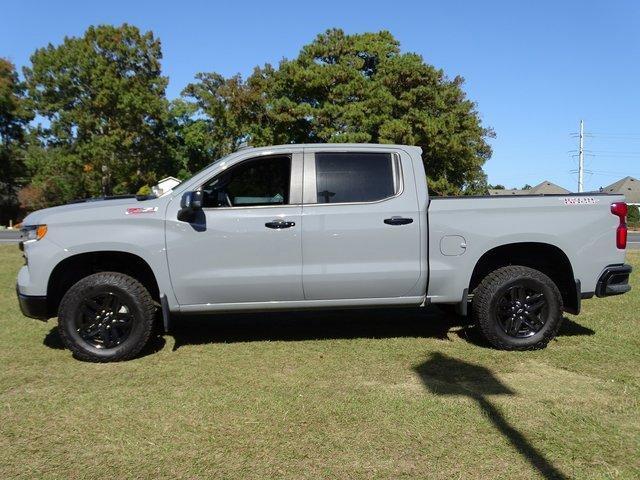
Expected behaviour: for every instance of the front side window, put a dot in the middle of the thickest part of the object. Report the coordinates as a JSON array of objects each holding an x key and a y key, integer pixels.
[
  {"x": 257, "y": 182},
  {"x": 354, "y": 177}
]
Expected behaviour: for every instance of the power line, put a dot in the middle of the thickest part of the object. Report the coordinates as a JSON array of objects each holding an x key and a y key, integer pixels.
[
  {"x": 608, "y": 172},
  {"x": 615, "y": 152},
  {"x": 615, "y": 135},
  {"x": 606, "y": 155}
]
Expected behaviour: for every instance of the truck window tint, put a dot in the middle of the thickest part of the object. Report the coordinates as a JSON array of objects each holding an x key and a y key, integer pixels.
[
  {"x": 354, "y": 177},
  {"x": 263, "y": 181}
]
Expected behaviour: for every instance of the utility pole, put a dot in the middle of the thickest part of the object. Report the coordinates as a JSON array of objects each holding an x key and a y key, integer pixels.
[{"x": 581, "y": 159}]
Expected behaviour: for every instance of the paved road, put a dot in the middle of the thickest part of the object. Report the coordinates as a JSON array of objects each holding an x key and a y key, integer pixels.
[
  {"x": 12, "y": 236},
  {"x": 9, "y": 236}
]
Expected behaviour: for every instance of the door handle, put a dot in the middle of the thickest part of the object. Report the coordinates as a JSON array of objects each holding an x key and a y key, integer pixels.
[
  {"x": 279, "y": 224},
  {"x": 398, "y": 221}
]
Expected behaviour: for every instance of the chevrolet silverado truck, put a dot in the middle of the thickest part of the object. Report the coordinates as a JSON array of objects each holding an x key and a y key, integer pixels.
[{"x": 318, "y": 226}]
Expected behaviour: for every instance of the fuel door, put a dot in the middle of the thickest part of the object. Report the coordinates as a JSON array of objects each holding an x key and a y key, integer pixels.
[{"x": 453, "y": 245}]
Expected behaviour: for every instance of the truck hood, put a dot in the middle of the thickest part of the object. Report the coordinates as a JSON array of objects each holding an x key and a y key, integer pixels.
[{"x": 43, "y": 216}]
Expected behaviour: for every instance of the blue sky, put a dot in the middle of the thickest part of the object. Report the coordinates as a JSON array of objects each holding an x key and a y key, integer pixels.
[{"x": 534, "y": 68}]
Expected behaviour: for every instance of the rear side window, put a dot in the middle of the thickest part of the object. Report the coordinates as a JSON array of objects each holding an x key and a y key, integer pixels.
[{"x": 354, "y": 177}]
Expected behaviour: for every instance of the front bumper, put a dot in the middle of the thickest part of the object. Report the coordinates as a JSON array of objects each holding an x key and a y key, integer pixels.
[
  {"x": 33, "y": 306},
  {"x": 614, "y": 280}
]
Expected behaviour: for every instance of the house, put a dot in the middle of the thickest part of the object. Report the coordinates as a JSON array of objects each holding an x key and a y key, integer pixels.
[
  {"x": 164, "y": 186},
  {"x": 543, "y": 188},
  {"x": 627, "y": 186}
]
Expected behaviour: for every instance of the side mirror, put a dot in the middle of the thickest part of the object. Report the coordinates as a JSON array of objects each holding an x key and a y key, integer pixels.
[{"x": 190, "y": 203}]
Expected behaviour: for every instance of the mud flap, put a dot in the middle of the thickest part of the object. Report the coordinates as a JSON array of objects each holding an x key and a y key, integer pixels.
[{"x": 166, "y": 314}]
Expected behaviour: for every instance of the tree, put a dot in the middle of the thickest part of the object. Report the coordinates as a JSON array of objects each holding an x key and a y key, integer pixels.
[
  {"x": 14, "y": 118},
  {"x": 633, "y": 217},
  {"x": 350, "y": 88},
  {"x": 527, "y": 187},
  {"x": 104, "y": 98},
  {"x": 192, "y": 146}
]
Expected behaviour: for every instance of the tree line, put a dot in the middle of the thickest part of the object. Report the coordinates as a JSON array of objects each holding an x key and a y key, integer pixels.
[{"x": 90, "y": 116}]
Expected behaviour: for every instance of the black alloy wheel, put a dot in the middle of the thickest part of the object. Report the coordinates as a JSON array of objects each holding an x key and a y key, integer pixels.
[
  {"x": 104, "y": 320},
  {"x": 521, "y": 311}
]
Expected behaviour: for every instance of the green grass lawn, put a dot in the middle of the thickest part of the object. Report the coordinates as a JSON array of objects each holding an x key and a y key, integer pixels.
[{"x": 357, "y": 394}]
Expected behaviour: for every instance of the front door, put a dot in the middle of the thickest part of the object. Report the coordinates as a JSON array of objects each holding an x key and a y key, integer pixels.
[
  {"x": 245, "y": 245},
  {"x": 361, "y": 225}
]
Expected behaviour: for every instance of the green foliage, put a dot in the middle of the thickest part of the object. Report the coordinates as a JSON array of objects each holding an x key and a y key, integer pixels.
[
  {"x": 57, "y": 177},
  {"x": 109, "y": 127},
  {"x": 14, "y": 117},
  {"x": 192, "y": 146},
  {"x": 349, "y": 88},
  {"x": 633, "y": 216},
  {"x": 144, "y": 190},
  {"x": 104, "y": 98}
]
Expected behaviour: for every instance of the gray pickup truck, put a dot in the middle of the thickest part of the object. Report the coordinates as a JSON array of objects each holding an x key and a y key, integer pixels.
[{"x": 317, "y": 226}]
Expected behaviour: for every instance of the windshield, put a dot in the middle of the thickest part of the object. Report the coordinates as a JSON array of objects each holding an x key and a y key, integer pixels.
[{"x": 195, "y": 174}]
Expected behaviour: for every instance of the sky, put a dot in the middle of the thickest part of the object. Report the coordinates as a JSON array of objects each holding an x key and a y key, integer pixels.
[{"x": 534, "y": 69}]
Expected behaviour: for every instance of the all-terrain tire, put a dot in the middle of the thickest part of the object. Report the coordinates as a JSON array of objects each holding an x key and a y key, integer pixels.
[
  {"x": 494, "y": 286},
  {"x": 136, "y": 303}
]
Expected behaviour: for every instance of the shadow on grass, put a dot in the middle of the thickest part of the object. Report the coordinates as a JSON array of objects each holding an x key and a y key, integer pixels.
[
  {"x": 569, "y": 328},
  {"x": 312, "y": 325},
  {"x": 427, "y": 322},
  {"x": 443, "y": 375},
  {"x": 156, "y": 342}
]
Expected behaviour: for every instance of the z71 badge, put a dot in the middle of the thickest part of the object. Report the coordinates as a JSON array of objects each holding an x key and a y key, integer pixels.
[{"x": 137, "y": 210}]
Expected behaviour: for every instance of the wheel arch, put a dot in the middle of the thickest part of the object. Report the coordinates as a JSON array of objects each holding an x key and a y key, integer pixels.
[
  {"x": 545, "y": 257},
  {"x": 72, "y": 269}
]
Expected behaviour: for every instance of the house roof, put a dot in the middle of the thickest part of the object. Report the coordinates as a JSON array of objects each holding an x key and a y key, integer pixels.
[
  {"x": 543, "y": 188},
  {"x": 547, "y": 187},
  {"x": 505, "y": 191},
  {"x": 627, "y": 186}
]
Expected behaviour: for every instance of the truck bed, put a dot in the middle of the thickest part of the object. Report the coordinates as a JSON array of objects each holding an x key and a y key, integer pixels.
[{"x": 464, "y": 228}]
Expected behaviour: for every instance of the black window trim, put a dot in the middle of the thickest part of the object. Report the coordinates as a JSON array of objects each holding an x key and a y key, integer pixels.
[
  {"x": 293, "y": 182},
  {"x": 310, "y": 177}
]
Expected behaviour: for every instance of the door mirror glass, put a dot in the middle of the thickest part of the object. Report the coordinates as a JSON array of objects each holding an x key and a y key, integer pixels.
[{"x": 190, "y": 203}]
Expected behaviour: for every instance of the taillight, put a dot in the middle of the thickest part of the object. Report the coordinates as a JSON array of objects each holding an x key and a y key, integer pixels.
[{"x": 619, "y": 209}]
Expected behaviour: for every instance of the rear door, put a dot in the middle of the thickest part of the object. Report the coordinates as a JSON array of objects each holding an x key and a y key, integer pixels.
[{"x": 360, "y": 224}]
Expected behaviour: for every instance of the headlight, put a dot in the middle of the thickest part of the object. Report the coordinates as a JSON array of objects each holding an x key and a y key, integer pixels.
[{"x": 33, "y": 232}]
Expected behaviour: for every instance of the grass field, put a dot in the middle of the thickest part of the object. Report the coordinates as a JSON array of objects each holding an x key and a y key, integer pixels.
[{"x": 367, "y": 394}]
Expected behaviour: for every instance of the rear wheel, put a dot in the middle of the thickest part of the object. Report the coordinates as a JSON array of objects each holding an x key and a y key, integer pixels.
[
  {"x": 517, "y": 308},
  {"x": 106, "y": 317}
]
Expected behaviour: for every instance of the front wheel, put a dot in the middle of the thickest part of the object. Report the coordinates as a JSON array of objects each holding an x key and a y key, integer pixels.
[
  {"x": 517, "y": 308},
  {"x": 106, "y": 317}
]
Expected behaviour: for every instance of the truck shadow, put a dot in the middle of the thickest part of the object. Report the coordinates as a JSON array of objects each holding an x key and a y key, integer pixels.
[
  {"x": 447, "y": 376},
  {"x": 156, "y": 342},
  {"x": 380, "y": 323},
  {"x": 312, "y": 325},
  {"x": 569, "y": 328},
  {"x": 427, "y": 322}
]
